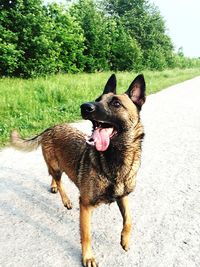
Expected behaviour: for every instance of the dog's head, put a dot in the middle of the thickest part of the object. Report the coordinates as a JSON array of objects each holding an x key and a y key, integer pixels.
[{"x": 111, "y": 114}]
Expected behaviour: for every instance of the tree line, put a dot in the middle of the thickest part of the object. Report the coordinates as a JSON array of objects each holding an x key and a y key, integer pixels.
[{"x": 86, "y": 35}]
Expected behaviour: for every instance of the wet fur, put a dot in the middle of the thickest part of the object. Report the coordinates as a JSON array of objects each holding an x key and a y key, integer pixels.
[{"x": 101, "y": 177}]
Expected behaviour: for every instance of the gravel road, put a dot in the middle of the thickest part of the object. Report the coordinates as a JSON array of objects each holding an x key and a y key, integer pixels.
[{"x": 37, "y": 231}]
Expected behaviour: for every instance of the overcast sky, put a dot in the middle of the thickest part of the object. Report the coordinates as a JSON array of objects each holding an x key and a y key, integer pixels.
[{"x": 183, "y": 22}]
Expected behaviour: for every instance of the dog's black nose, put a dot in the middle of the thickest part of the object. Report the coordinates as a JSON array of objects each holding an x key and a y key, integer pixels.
[{"x": 87, "y": 108}]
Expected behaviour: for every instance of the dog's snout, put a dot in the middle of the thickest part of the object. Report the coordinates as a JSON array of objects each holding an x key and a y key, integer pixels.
[
  {"x": 87, "y": 110},
  {"x": 88, "y": 107}
]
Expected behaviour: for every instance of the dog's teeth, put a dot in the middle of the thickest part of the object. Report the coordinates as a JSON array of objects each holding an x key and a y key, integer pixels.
[{"x": 90, "y": 141}]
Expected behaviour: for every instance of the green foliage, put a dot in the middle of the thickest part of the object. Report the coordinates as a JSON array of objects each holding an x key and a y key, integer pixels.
[
  {"x": 183, "y": 62},
  {"x": 107, "y": 43},
  {"x": 97, "y": 39},
  {"x": 125, "y": 54},
  {"x": 88, "y": 35},
  {"x": 38, "y": 40},
  {"x": 145, "y": 24},
  {"x": 9, "y": 54},
  {"x": 68, "y": 39}
]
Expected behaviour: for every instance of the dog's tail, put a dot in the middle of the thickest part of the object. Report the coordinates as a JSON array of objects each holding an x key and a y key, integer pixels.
[{"x": 26, "y": 145}]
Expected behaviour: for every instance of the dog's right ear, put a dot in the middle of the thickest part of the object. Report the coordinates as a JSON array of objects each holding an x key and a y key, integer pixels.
[{"x": 111, "y": 84}]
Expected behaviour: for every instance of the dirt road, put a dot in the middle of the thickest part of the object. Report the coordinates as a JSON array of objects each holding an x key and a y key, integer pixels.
[{"x": 37, "y": 231}]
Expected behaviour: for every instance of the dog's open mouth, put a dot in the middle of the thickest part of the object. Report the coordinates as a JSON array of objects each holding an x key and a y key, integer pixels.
[{"x": 101, "y": 135}]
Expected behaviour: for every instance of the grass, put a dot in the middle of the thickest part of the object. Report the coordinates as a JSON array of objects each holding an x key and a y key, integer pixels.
[{"x": 33, "y": 105}]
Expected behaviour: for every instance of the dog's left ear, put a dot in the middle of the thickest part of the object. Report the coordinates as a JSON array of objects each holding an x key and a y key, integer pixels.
[
  {"x": 136, "y": 91},
  {"x": 111, "y": 84}
]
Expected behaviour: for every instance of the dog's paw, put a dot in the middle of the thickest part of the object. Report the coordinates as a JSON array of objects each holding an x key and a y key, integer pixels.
[
  {"x": 124, "y": 246},
  {"x": 67, "y": 203},
  {"x": 90, "y": 262},
  {"x": 125, "y": 237},
  {"x": 54, "y": 189},
  {"x": 125, "y": 243}
]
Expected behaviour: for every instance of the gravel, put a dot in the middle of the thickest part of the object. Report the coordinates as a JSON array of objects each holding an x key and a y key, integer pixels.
[{"x": 37, "y": 231}]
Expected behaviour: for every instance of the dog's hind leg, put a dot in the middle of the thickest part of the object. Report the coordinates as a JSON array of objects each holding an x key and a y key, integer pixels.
[
  {"x": 54, "y": 188},
  {"x": 56, "y": 180},
  {"x": 127, "y": 225},
  {"x": 54, "y": 171}
]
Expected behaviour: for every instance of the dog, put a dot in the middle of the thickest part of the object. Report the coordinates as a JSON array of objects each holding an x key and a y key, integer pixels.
[{"x": 104, "y": 165}]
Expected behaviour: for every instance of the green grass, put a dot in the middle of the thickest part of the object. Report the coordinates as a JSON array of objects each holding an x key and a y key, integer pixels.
[{"x": 35, "y": 104}]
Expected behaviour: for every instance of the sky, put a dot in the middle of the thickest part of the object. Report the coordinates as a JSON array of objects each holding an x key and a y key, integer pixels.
[
  {"x": 182, "y": 19},
  {"x": 183, "y": 23}
]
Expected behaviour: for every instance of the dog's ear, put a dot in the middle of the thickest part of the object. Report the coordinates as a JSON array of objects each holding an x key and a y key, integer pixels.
[
  {"x": 111, "y": 84},
  {"x": 136, "y": 91}
]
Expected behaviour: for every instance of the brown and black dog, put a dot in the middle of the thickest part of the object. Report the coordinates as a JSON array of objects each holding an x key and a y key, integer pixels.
[{"x": 102, "y": 166}]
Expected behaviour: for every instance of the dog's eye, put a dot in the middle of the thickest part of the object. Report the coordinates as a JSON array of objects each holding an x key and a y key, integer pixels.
[{"x": 116, "y": 103}]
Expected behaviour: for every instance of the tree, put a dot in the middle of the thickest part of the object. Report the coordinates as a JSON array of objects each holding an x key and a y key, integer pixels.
[
  {"x": 144, "y": 24},
  {"x": 94, "y": 25},
  {"x": 67, "y": 37},
  {"x": 9, "y": 53},
  {"x": 39, "y": 40},
  {"x": 125, "y": 53},
  {"x": 87, "y": 35}
]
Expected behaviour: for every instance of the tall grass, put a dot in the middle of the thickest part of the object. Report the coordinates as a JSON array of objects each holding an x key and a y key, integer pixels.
[{"x": 35, "y": 104}]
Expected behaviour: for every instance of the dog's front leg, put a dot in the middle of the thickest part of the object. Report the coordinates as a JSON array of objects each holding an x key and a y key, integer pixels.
[
  {"x": 126, "y": 231},
  {"x": 85, "y": 229}
]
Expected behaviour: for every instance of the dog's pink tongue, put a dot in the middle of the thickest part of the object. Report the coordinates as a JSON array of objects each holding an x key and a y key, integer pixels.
[{"x": 102, "y": 138}]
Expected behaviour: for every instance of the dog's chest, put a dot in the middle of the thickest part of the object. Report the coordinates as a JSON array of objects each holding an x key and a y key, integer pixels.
[{"x": 111, "y": 191}]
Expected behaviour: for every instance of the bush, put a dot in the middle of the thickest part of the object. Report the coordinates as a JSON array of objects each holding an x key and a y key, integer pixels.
[
  {"x": 38, "y": 39},
  {"x": 125, "y": 53},
  {"x": 97, "y": 39},
  {"x": 50, "y": 42}
]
